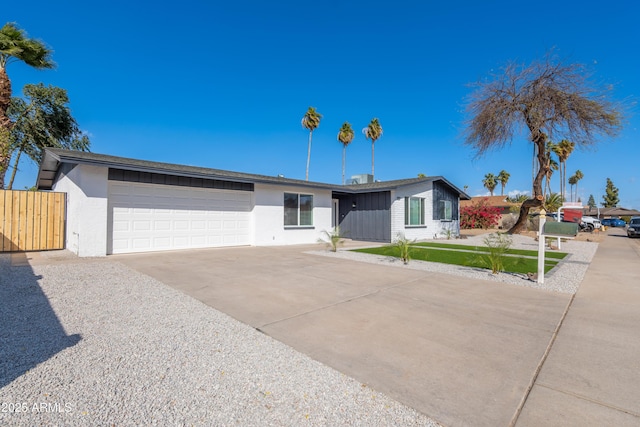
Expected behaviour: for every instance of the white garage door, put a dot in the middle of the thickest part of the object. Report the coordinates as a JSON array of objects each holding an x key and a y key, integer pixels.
[{"x": 151, "y": 217}]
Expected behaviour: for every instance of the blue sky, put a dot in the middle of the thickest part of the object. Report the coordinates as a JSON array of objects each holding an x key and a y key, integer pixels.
[{"x": 225, "y": 84}]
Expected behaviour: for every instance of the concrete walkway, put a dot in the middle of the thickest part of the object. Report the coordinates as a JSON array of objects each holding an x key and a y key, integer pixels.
[{"x": 592, "y": 374}]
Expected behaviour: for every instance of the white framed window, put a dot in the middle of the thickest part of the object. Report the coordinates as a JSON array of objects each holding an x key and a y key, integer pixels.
[
  {"x": 298, "y": 210},
  {"x": 413, "y": 211},
  {"x": 445, "y": 209}
]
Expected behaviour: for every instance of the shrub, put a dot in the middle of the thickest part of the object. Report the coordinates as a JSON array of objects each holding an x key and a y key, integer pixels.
[
  {"x": 404, "y": 247},
  {"x": 479, "y": 215},
  {"x": 332, "y": 239},
  {"x": 498, "y": 244}
]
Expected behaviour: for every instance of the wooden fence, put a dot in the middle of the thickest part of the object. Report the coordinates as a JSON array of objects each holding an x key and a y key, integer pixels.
[{"x": 31, "y": 220}]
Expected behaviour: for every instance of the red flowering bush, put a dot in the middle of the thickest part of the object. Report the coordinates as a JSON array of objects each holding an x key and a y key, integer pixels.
[{"x": 479, "y": 215}]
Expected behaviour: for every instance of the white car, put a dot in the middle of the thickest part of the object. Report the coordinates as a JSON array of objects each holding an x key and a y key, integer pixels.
[{"x": 590, "y": 223}]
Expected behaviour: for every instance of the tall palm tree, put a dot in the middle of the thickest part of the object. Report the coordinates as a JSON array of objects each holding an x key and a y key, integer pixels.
[
  {"x": 579, "y": 175},
  {"x": 373, "y": 132},
  {"x": 572, "y": 181},
  {"x": 563, "y": 150},
  {"x": 15, "y": 46},
  {"x": 490, "y": 182},
  {"x": 345, "y": 136},
  {"x": 503, "y": 177},
  {"x": 310, "y": 121}
]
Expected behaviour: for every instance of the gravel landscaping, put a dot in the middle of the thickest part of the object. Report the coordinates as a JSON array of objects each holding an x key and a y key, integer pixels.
[
  {"x": 96, "y": 343},
  {"x": 564, "y": 278}
]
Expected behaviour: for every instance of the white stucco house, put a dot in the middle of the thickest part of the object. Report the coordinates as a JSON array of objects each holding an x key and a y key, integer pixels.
[{"x": 121, "y": 205}]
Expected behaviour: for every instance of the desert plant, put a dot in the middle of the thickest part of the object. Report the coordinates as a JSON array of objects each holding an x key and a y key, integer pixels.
[
  {"x": 404, "y": 247},
  {"x": 498, "y": 244},
  {"x": 332, "y": 239},
  {"x": 448, "y": 232}
]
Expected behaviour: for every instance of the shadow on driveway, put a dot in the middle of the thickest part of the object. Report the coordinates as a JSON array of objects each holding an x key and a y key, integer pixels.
[{"x": 30, "y": 332}]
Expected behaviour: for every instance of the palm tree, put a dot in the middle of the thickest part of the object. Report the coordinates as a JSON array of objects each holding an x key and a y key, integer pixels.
[
  {"x": 552, "y": 166},
  {"x": 373, "y": 131},
  {"x": 503, "y": 177},
  {"x": 563, "y": 150},
  {"x": 345, "y": 136},
  {"x": 310, "y": 121},
  {"x": 572, "y": 181},
  {"x": 490, "y": 182},
  {"x": 579, "y": 175},
  {"x": 15, "y": 46},
  {"x": 552, "y": 202}
]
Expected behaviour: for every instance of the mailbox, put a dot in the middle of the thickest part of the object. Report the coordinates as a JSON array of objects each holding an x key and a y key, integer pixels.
[{"x": 561, "y": 229}]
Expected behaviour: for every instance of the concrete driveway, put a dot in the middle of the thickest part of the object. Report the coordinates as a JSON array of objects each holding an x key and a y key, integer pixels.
[{"x": 461, "y": 351}]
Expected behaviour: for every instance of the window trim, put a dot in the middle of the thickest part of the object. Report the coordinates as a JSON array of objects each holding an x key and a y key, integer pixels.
[
  {"x": 407, "y": 212},
  {"x": 444, "y": 217},
  {"x": 298, "y": 225}
]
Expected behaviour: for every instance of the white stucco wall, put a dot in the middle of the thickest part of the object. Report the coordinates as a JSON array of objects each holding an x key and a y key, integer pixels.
[
  {"x": 432, "y": 227},
  {"x": 86, "y": 188},
  {"x": 268, "y": 216}
]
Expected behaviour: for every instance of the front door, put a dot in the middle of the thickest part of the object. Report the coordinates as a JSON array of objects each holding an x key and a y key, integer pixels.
[{"x": 335, "y": 213}]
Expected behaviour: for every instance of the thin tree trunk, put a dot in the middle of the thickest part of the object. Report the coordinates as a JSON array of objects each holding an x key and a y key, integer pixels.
[
  {"x": 15, "y": 169},
  {"x": 308, "y": 156}
]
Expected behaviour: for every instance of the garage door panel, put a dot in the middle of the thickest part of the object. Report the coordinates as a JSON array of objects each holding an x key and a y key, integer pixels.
[{"x": 148, "y": 217}]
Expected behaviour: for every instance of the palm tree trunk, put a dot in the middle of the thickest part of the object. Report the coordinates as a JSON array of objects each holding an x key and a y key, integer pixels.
[
  {"x": 308, "y": 156},
  {"x": 5, "y": 124},
  {"x": 344, "y": 155},
  {"x": 372, "y": 155}
]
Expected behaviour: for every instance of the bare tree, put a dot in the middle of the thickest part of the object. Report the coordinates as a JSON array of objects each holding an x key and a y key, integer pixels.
[{"x": 545, "y": 98}]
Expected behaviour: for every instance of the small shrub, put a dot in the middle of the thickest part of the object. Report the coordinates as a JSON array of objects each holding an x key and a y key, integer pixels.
[
  {"x": 479, "y": 215},
  {"x": 404, "y": 247},
  {"x": 448, "y": 232},
  {"x": 332, "y": 239},
  {"x": 498, "y": 244}
]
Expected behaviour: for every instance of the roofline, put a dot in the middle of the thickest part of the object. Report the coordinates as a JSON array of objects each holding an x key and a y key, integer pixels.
[
  {"x": 54, "y": 157},
  {"x": 67, "y": 156}
]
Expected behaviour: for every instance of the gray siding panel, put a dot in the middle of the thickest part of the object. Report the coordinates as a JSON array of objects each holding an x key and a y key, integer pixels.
[
  {"x": 444, "y": 192},
  {"x": 366, "y": 216}
]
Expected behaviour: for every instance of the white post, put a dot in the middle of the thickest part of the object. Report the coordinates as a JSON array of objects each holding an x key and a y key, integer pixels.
[{"x": 541, "y": 245}]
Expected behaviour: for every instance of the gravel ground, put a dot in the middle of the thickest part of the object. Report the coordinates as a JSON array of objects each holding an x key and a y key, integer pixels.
[
  {"x": 96, "y": 343},
  {"x": 564, "y": 278}
]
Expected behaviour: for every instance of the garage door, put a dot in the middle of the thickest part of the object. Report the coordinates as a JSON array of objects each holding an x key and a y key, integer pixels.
[{"x": 151, "y": 217}]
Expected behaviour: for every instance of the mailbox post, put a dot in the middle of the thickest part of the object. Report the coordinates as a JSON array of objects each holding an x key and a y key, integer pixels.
[{"x": 558, "y": 230}]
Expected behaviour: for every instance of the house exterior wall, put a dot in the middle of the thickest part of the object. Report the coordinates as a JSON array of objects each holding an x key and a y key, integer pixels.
[
  {"x": 432, "y": 227},
  {"x": 268, "y": 216},
  {"x": 86, "y": 188}
]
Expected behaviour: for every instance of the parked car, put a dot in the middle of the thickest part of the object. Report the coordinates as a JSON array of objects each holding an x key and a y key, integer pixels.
[
  {"x": 613, "y": 222},
  {"x": 634, "y": 227},
  {"x": 589, "y": 223}
]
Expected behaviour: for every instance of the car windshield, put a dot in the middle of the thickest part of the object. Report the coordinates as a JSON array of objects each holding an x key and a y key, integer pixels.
[{"x": 635, "y": 221}]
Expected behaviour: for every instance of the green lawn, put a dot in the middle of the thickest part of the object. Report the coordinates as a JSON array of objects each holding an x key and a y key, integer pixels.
[
  {"x": 470, "y": 256},
  {"x": 556, "y": 255}
]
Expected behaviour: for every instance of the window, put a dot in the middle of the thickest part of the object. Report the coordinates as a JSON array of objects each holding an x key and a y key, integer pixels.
[
  {"x": 298, "y": 210},
  {"x": 413, "y": 211},
  {"x": 445, "y": 210}
]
